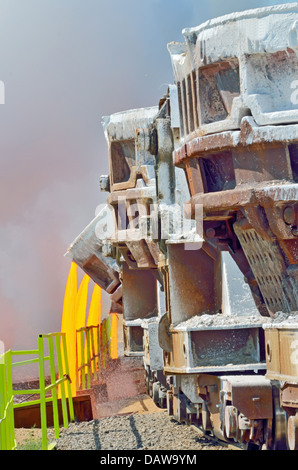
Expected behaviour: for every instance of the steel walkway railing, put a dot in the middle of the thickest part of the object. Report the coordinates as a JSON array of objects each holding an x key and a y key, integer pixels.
[{"x": 59, "y": 378}]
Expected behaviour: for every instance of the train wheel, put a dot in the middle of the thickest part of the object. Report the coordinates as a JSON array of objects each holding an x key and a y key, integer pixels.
[
  {"x": 293, "y": 432},
  {"x": 162, "y": 397},
  {"x": 155, "y": 392},
  {"x": 231, "y": 422}
]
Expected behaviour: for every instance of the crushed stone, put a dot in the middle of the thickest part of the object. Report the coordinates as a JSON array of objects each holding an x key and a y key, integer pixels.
[{"x": 148, "y": 431}]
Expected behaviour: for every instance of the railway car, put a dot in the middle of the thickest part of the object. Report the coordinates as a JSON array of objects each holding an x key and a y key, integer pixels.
[
  {"x": 126, "y": 232},
  {"x": 202, "y": 256},
  {"x": 235, "y": 77}
]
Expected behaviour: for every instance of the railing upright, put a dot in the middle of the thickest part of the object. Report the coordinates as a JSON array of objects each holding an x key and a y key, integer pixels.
[
  {"x": 57, "y": 380},
  {"x": 7, "y": 432}
]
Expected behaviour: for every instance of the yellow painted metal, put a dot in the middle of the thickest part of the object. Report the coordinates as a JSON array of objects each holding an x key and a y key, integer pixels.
[
  {"x": 80, "y": 318},
  {"x": 114, "y": 336},
  {"x": 69, "y": 321}
]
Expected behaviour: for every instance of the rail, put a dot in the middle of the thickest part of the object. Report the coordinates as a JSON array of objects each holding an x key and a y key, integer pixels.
[
  {"x": 7, "y": 434},
  {"x": 94, "y": 346},
  {"x": 47, "y": 393},
  {"x": 87, "y": 356}
]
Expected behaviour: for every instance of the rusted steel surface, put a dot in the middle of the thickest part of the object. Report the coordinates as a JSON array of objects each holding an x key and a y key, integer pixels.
[
  {"x": 229, "y": 65},
  {"x": 129, "y": 142},
  {"x": 214, "y": 351},
  {"x": 239, "y": 146},
  {"x": 282, "y": 352},
  {"x": 252, "y": 396},
  {"x": 238, "y": 149},
  {"x": 93, "y": 252},
  {"x": 248, "y": 135},
  {"x": 289, "y": 396}
]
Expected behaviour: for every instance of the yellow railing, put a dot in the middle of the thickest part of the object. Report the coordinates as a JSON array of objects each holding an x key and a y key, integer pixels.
[
  {"x": 95, "y": 346},
  {"x": 88, "y": 355}
]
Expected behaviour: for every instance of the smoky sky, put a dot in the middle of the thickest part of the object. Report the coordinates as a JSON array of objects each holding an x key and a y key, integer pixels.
[{"x": 65, "y": 64}]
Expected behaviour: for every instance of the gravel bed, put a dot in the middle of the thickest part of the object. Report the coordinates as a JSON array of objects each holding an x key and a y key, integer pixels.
[{"x": 150, "y": 431}]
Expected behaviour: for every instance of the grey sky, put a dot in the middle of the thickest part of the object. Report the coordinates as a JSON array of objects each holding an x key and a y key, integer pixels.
[{"x": 65, "y": 64}]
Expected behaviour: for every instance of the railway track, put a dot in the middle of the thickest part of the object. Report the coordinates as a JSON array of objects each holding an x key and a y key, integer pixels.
[{"x": 217, "y": 442}]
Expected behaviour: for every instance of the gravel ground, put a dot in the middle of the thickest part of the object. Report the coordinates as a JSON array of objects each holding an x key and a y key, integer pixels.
[
  {"x": 125, "y": 419},
  {"x": 149, "y": 431}
]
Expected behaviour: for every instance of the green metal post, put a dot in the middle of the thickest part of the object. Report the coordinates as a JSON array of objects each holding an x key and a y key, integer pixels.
[
  {"x": 10, "y": 420},
  {"x": 7, "y": 425},
  {"x": 43, "y": 411},
  {"x": 2, "y": 404},
  {"x": 54, "y": 391},
  {"x": 7, "y": 435}
]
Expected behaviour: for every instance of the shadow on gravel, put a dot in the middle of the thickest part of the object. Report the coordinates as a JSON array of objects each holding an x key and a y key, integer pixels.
[
  {"x": 135, "y": 432},
  {"x": 96, "y": 435}
]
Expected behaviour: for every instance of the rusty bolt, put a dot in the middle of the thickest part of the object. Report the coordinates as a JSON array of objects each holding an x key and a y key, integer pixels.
[{"x": 210, "y": 232}]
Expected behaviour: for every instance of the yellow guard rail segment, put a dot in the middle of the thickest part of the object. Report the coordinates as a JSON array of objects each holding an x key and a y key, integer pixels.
[
  {"x": 95, "y": 346},
  {"x": 88, "y": 355}
]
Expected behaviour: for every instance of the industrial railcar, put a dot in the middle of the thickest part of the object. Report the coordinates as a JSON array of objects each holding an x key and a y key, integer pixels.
[
  {"x": 238, "y": 146},
  {"x": 203, "y": 254}
]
